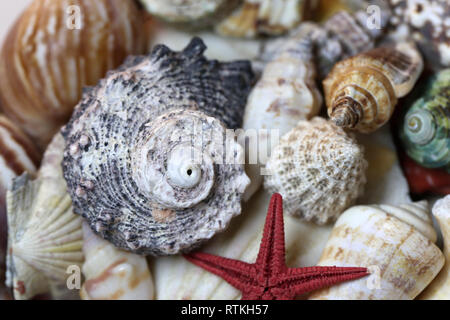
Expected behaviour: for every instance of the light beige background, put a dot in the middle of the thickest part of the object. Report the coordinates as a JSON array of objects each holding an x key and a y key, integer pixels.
[{"x": 9, "y": 11}]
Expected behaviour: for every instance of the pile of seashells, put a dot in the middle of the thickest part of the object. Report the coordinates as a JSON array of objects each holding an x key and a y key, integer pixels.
[{"x": 151, "y": 128}]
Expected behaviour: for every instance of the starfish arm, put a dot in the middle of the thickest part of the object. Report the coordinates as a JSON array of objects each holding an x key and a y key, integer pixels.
[
  {"x": 237, "y": 273},
  {"x": 271, "y": 256}
]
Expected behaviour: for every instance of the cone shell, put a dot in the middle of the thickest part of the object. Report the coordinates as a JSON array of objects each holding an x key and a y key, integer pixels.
[
  {"x": 439, "y": 289},
  {"x": 395, "y": 243},
  {"x": 44, "y": 236},
  {"x": 51, "y": 53},
  {"x": 318, "y": 169},
  {"x": 426, "y": 127},
  {"x": 361, "y": 92},
  {"x": 113, "y": 274},
  {"x": 144, "y": 159},
  {"x": 269, "y": 17}
]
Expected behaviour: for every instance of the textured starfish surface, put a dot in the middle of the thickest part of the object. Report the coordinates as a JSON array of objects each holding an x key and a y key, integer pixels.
[{"x": 269, "y": 278}]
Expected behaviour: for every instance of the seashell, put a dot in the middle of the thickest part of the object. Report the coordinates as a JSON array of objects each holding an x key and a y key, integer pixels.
[
  {"x": 361, "y": 92},
  {"x": 426, "y": 22},
  {"x": 395, "y": 242},
  {"x": 113, "y": 274},
  {"x": 144, "y": 159},
  {"x": 52, "y": 52},
  {"x": 439, "y": 289},
  {"x": 192, "y": 13},
  {"x": 44, "y": 236},
  {"x": 426, "y": 127},
  {"x": 268, "y": 17},
  {"x": 312, "y": 168}
]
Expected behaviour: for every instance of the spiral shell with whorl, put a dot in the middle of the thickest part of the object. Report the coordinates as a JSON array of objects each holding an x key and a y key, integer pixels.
[
  {"x": 113, "y": 274},
  {"x": 318, "y": 169},
  {"x": 361, "y": 92},
  {"x": 55, "y": 49},
  {"x": 44, "y": 236},
  {"x": 439, "y": 289},
  {"x": 396, "y": 243},
  {"x": 148, "y": 160},
  {"x": 426, "y": 129}
]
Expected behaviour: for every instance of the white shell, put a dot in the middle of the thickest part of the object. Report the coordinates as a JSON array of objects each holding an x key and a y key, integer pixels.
[{"x": 396, "y": 243}]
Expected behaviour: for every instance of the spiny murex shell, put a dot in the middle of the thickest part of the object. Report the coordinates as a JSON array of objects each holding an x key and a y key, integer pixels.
[
  {"x": 45, "y": 236},
  {"x": 318, "y": 169},
  {"x": 144, "y": 159},
  {"x": 426, "y": 128},
  {"x": 395, "y": 242},
  {"x": 361, "y": 92}
]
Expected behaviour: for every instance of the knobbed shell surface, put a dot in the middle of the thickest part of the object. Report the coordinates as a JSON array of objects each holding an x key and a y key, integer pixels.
[
  {"x": 426, "y": 128},
  {"x": 51, "y": 53},
  {"x": 318, "y": 169},
  {"x": 44, "y": 236},
  {"x": 269, "y": 17},
  {"x": 439, "y": 289},
  {"x": 148, "y": 160},
  {"x": 361, "y": 92},
  {"x": 113, "y": 274},
  {"x": 396, "y": 243}
]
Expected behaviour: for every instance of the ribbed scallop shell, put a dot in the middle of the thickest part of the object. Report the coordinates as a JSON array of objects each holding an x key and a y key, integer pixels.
[
  {"x": 44, "y": 236},
  {"x": 396, "y": 243},
  {"x": 144, "y": 159},
  {"x": 426, "y": 128},
  {"x": 318, "y": 169},
  {"x": 270, "y": 17},
  {"x": 47, "y": 61},
  {"x": 362, "y": 92}
]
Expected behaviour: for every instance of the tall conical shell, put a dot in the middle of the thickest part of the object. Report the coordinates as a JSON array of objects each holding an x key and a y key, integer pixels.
[
  {"x": 318, "y": 169},
  {"x": 44, "y": 236},
  {"x": 439, "y": 289},
  {"x": 148, "y": 160},
  {"x": 113, "y": 274},
  {"x": 426, "y": 127},
  {"x": 396, "y": 243},
  {"x": 361, "y": 92}
]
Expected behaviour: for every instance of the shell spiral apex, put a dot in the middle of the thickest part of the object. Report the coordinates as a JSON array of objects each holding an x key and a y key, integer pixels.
[
  {"x": 318, "y": 169},
  {"x": 145, "y": 159}
]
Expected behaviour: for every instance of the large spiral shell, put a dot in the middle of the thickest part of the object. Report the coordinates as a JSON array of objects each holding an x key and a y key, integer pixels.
[
  {"x": 148, "y": 160},
  {"x": 361, "y": 92},
  {"x": 56, "y": 48},
  {"x": 426, "y": 129}
]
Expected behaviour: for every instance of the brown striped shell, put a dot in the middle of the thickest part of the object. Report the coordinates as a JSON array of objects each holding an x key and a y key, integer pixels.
[
  {"x": 48, "y": 58},
  {"x": 362, "y": 92}
]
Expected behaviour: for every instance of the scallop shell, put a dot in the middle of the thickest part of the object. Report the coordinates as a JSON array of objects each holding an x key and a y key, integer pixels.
[
  {"x": 396, "y": 243},
  {"x": 269, "y": 17},
  {"x": 313, "y": 167},
  {"x": 49, "y": 57},
  {"x": 426, "y": 128},
  {"x": 361, "y": 92},
  {"x": 113, "y": 274},
  {"x": 192, "y": 13},
  {"x": 439, "y": 289},
  {"x": 144, "y": 159},
  {"x": 44, "y": 236}
]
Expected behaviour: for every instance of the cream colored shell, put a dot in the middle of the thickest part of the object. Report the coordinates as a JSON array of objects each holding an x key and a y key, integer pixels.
[
  {"x": 395, "y": 243},
  {"x": 318, "y": 169}
]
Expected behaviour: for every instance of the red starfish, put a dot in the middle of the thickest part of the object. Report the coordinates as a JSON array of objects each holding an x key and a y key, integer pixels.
[{"x": 269, "y": 278}]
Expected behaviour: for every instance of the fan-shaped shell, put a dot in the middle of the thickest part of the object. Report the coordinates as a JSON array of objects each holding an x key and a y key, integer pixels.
[
  {"x": 44, "y": 236},
  {"x": 145, "y": 158},
  {"x": 396, "y": 243},
  {"x": 361, "y": 92},
  {"x": 426, "y": 128},
  {"x": 318, "y": 169},
  {"x": 56, "y": 48}
]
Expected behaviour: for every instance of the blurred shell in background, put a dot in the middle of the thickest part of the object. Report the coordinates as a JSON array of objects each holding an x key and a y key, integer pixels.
[
  {"x": 44, "y": 235},
  {"x": 53, "y": 51},
  {"x": 395, "y": 242}
]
